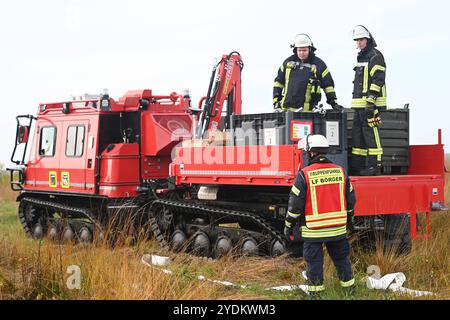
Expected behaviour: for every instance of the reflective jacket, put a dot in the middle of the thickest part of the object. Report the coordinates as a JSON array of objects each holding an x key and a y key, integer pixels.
[
  {"x": 298, "y": 84},
  {"x": 322, "y": 198},
  {"x": 370, "y": 74}
]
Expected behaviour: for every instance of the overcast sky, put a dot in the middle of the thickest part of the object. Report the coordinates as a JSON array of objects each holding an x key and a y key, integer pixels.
[{"x": 51, "y": 50}]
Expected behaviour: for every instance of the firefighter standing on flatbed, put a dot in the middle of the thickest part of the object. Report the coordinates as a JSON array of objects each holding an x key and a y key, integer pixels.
[
  {"x": 369, "y": 97},
  {"x": 322, "y": 201},
  {"x": 300, "y": 79}
]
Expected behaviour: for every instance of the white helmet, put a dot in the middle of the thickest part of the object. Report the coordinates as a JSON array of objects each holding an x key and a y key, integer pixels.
[
  {"x": 301, "y": 41},
  {"x": 360, "y": 32},
  {"x": 317, "y": 142}
]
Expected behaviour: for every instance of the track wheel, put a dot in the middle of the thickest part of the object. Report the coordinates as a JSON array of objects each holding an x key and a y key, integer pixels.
[
  {"x": 249, "y": 247},
  {"x": 38, "y": 231},
  {"x": 85, "y": 235},
  {"x": 201, "y": 245},
  {"x": 277, "y": 248},
  {"x": 223, "y": 246},
  {"x": 178, "y": 241},
  {"x": 68, "y": 235}
]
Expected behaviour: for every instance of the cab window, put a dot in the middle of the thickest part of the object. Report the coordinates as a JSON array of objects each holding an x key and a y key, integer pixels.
[
  {"x": 48, "y": 142},
  {"x": 75, "y": 141}
]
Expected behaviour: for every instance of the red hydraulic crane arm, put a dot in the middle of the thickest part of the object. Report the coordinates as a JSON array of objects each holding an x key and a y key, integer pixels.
[{"x": 225, "y": 85}]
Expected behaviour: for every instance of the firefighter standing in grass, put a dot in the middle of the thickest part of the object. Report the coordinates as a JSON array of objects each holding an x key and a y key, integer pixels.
[
  {"x": 322, "y": 201},
  {"x": 369, "y": 97},
  {"x": 301, "y": 78}
]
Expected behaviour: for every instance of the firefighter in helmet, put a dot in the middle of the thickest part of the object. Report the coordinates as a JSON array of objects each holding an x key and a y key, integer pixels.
[
  {"x": 321, "y": 204},
  {"x": 369, "y": 98},
  {"x": 301, "y": 78}
]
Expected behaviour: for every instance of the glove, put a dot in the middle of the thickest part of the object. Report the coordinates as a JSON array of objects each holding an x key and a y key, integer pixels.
[
  {"x": 289, "y": 233},
  {"x": 336, "y": 106}
]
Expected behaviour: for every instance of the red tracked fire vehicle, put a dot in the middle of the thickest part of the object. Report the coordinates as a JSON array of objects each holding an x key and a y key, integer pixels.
[{"x": 195, "y": 177}]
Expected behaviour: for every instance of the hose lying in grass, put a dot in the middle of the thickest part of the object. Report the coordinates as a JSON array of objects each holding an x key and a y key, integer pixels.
[
  {"x": 394, "y": 282},
  {"x": 391, "y": 281},
  {"x": 153, "y": 261}
]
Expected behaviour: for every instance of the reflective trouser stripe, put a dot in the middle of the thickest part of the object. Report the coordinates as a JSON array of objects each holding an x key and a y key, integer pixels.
[
  {"x": 346, "y": 284},
  {"x": 316, "y": 288},
  {"x": 379, "y": 151}
]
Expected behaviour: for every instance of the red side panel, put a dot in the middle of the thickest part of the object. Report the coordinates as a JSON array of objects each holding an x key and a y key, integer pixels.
[
  {"x": 119, "y": 171},
  {"x": 409, "y": 193},
  {"x": 238, "y": 165}
]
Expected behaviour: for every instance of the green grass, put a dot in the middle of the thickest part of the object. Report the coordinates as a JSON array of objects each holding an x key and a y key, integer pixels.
[{"x": 37, "y": 270}]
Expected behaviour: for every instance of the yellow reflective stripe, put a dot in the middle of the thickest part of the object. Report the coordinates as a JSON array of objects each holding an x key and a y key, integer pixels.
[
  {"x": 323, "y": 233},
  {"x": 379, "y": 151},
  {"x": 316, "y": 288},
  {"x": 295, "y": 190},
  {"x": 380, "y": 102},
  {"x": 376, "y": 68},
  {"x": 351, "y": 187},
  {"x": 287, "y": 224},
  {"x": 375, "y": 152},
  {"x": 282, "y": 68},
  {"x": 306, "y": 107},
  {"x": 327, "y": 215},
  {"x": 288, "y": 74},
  {"x": 314, "y": 200},
  {"x": 308, "y": 93},
  {"x": 359, "y": 102},
  {"x": 338, "y": 214},
  {"x": 278, "y": 85},
  {"x": 377, "y": 137},
  {"x": 330, "y": 222},
  {"x": 293, "y": 215},
  {"x": 375, "y": 87},
  {"x": 342, "y": 193},
  {"x": 383, "y": 91},
  {"x": 359, "y": 152},
  {"x": 275, "y": 100},
  {"x": 366, "y": 79},
  {"x": 346, "y": 284},
  {"x": 325, "y": 73},
  {"x": 329, "y": 89}
]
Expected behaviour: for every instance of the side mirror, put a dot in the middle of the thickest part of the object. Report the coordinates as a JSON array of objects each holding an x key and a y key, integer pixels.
[{"x": 23, "y": 135}]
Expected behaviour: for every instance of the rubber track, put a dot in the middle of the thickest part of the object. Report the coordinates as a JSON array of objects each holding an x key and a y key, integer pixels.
[
  {"x": 54, "y": 205},
  {"x": 215, "y": 212}
]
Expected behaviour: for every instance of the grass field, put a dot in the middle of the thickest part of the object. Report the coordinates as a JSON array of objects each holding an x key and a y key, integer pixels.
[{"x": 38, "y": 269}]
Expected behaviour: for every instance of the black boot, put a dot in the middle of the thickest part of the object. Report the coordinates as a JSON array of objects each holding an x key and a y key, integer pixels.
[
  {"x": 373, "y": 168},
  {"x": 371, "y": 171}
]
